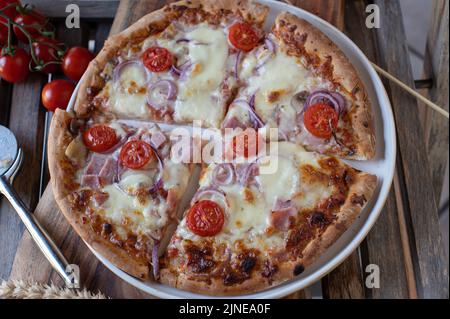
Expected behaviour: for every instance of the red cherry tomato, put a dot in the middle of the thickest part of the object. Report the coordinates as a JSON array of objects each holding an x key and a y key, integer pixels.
[
  {"x": 135, "y": 154},
  {"x": 320, "y": 120},
  {"x": 56, "y": 94},
  {"x": 157, "y": 59},
  {"x": 14, "y": 68},
  {"x": 46, "y": 51},
  {"x": 100, "y": 138},
  {"x": 246, "y": 144},
  {"x": 205, "y": 218},
  {"x": 75, "y": 62},
  {"x": 242, "y": 36},
  {"x": 11, "y": 11},
  {"x": 33, "y": 22}
]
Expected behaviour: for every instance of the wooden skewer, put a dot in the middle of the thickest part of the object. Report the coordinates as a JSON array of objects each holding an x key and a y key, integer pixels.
[
  {"x": 402, "y": 85},
  {"x": 420, "y": 97}
]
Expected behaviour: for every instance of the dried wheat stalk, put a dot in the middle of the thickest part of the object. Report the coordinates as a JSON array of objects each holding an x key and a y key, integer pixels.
[{"x": 22, "y": 290}]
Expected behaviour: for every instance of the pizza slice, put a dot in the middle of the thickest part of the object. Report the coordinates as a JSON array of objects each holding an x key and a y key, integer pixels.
[
  {"x": 174, "y": 65},
  {"x": 300, "y": 82},
  {"x": 258, "y": 223},
  {"x": 117, "y": 186}
]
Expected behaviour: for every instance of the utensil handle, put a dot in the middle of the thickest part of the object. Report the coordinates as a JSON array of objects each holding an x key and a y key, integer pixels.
[{"x": 39, "y": 235}]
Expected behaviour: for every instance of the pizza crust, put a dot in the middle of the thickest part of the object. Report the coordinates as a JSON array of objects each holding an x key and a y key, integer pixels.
[
  {"x": 305, "y": 41},
  {"x": 364, "y": 185},
  {"x": 61, "y": 169},
  {"x": 154, "y": 23}
]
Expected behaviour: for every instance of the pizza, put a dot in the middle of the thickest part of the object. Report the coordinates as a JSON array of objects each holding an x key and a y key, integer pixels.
[
  {"x": 249, "y": 228},
  {"x": 286, "y": 106}
]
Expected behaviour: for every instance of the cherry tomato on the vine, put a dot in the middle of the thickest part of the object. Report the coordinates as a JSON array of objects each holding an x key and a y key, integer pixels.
[
  {"x": 33, "y": 22},
  {"x": 9, "y": 9},
  {"x": 75, "y": 62},
  {"x": 56, "y": 94},
  {"x": 11, "y": 5},
  {"x": 14, "y": 67},
  {"x": 47, "y": 51}
]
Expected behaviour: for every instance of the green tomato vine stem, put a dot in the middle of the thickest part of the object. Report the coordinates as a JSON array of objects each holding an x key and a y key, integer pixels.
[{"x": 39, "y": 65}]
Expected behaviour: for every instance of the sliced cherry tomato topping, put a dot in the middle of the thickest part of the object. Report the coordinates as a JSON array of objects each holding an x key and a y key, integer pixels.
[
  {"x": 246, "y": 144},
  {"x": 321, "y": 119},
  {"x": 205, "y": 218},
  {"x": 100, "y": 138},
  {"x": 157, "y": 59},
  {"x": 136, "y": 154},
  {"x": 242, "y": 36}
]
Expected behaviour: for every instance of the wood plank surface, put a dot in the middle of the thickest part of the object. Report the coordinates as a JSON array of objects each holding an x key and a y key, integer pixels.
[
  {"x": 430, "y": 263},
  {"x": 89, "y": 9},
  {"x": 25, "y": 112},
  {"x": 383, "y": 245},
  {"x": 329, "y": 10},
  {"x": 436, "y": 66}
]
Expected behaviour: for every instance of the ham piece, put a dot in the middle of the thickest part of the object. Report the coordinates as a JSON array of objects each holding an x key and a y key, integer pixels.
[
  {"x": 282, "y": 214},
  {"x": 101, "y": 170}
]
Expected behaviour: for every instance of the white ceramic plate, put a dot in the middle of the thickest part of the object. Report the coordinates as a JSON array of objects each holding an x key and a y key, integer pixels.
[{"x": 382, "y": 166}]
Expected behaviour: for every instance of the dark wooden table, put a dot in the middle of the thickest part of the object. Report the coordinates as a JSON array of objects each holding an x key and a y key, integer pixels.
[{"x": 405, "y": 242}]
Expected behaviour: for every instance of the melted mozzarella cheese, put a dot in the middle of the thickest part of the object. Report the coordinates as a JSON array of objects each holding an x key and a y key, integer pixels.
[
  {"x": 198, "y": 95},
  {"x": 139, "y": 216},
  {"x": 129, "y": 95},
  {"x": 280, "y": 181},
  {"x": 175, "y": 175},
  {"x": 271, "y": 79}
]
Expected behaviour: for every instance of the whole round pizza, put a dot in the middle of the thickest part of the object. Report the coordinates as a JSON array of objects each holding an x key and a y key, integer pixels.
[{"x": 286, "y": 106}]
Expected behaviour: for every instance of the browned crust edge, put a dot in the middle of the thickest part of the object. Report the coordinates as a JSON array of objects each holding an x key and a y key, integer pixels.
[
  {"x": 324, "y": 55},
  {"x": 152, "y": 23},
  {"x": 364, "y": 185}
]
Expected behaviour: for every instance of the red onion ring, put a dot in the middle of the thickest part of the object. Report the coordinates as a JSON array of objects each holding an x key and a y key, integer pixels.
[
  {"x": 155, "y": 260},
  {"x": 211, "y": 190},
  {"x": 246, "y": 173},
  {"x": 129, "y": 63},
  {"x": 236, "y": 64},
  {"x": 159, "y": 181},
  {"x": 333, "y": 99},
  {"x": 174, "y": 70},
  {"x": 167, "y": 89},
  {"x": 257, "y": 122},
  {"x": 270, "y": 45},
  {"x": 221, "y": 179}
]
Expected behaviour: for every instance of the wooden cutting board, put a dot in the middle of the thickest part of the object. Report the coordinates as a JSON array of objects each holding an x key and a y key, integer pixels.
[{"x": 30, "y": 265}]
